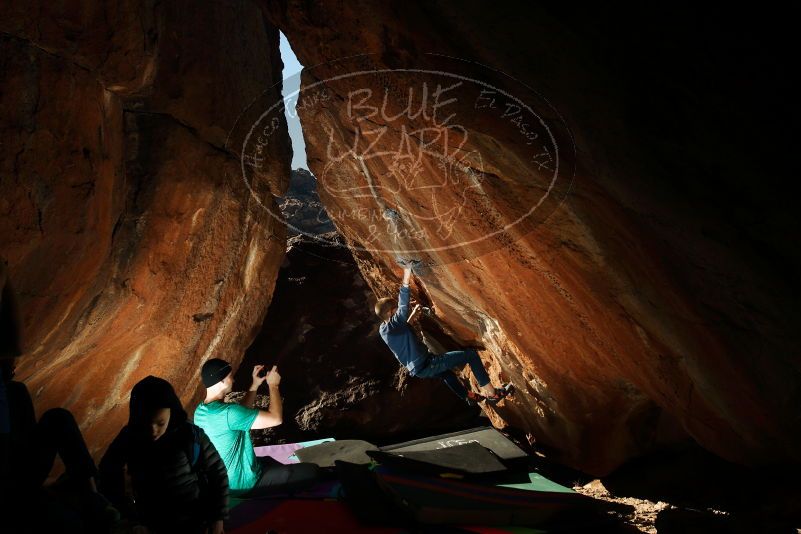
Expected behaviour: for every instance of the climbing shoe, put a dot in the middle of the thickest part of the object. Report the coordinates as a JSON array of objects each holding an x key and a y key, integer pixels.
[
  {"x": 473, "y": 398},
  {"x": 500, "y": 394}
]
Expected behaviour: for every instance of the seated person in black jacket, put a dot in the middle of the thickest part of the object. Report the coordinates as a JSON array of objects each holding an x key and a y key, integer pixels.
[{"x": 178, "y": 479}]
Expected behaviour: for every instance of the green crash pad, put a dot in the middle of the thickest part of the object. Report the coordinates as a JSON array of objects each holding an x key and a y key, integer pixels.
[{"x": 537, "y": 482}]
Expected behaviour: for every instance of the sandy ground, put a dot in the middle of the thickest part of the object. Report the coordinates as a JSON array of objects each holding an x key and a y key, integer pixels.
[{"x": 640, "y": 513}]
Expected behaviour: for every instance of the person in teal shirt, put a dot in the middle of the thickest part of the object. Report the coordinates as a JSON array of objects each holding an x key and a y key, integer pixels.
[{"x": 228, "y": 426}]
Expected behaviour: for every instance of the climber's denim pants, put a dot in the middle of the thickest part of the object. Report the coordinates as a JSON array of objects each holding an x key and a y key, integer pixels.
[{"x": 440, "y": 367}]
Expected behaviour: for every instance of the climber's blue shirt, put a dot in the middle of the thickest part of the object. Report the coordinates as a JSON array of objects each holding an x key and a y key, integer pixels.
[{"x": 403, "y": 343}]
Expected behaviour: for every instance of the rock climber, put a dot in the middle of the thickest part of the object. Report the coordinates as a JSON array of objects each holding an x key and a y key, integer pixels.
[{"x": 419, "y": 361}]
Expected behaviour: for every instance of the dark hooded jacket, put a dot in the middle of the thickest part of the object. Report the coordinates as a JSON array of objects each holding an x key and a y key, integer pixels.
[{"x": 168, "y": 488}]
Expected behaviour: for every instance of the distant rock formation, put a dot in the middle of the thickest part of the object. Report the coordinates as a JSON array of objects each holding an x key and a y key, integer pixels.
[{"x": 301, "y": 207}]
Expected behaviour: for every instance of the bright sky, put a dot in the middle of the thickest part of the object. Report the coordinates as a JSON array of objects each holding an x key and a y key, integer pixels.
[{"x": 291, "y": 85}]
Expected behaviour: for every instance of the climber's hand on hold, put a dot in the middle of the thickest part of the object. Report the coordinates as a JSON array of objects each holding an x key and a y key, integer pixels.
[{"x": 407, "y": 275}]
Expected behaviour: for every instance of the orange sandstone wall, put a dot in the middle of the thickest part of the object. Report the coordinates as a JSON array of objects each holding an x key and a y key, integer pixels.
[{"x": 134, "y": 246}]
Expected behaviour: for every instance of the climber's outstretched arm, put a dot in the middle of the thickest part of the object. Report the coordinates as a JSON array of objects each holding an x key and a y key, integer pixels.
[
  {"x": 407, "y": 275},
  {"x": 401, "y": 315}
]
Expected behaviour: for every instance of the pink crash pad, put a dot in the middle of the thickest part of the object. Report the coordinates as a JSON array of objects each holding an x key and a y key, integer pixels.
[{"x": 285, "y": 452}]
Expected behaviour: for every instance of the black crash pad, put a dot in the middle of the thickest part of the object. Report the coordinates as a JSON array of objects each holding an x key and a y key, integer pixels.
[
  {"x": 469, "y": 458},
  {"x": 485, "y": 436}
]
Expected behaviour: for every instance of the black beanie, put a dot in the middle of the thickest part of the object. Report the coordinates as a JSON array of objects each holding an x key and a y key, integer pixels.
[{"x": 213, "y": 371}]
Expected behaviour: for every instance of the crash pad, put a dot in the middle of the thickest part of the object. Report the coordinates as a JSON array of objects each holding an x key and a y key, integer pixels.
[
  {"x": 285, "y": 452},
  {"x": 260, "y": 515},
  {"x": 348, "y": 450},
  {"x": 442, "y": 501},
  {"x": 488, "y": 437},
  {"x": 537, "y": 482},
  {"x": 468, "y": 458}
]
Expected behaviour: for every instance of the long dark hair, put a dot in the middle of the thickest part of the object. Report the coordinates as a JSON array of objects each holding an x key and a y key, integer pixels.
[{"x": 150, "y": 394}]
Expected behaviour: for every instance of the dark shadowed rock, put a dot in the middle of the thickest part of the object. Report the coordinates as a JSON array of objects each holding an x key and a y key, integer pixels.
[{"x": 338, "y": 377}]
